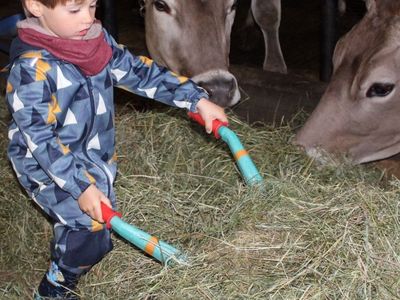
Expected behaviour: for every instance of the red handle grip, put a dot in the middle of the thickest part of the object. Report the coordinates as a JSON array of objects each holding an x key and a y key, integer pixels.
[
  {"x": 108, "y": 214},
  {"x": 215, "y": 125}
]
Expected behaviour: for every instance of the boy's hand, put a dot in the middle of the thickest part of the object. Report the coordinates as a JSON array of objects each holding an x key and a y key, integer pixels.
[
  {"x": 210, "y": 111},
  {"x": 89, "y": 202}
]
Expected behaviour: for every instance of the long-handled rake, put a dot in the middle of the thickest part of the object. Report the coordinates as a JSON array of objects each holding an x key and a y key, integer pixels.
[
  {"x": 246, "y": 166},
  {"x": 161, "y": 251}
]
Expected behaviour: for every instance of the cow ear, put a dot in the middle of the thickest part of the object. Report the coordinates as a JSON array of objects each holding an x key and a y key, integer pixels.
[
  {"x": 371, "y": 5},
  {"x": 384, "y": 8},
  {"x": 142, "y": 7}
]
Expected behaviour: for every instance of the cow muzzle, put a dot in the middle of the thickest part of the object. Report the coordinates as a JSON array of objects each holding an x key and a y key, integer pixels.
[
  {"x": 321, "y": 155},
  {"x": 221, "y": 85}
]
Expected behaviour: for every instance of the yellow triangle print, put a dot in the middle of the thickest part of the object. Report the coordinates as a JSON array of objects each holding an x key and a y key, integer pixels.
[
  {"x": 182, "y": 79},
  {"x": 113, "y": 159},
  {"x": 146, "y": 60},
  {"x": 32, "y": 54},
  {"x": 96, "y": 226},
  {"x": 53, "y": 110},
  {"x": 90, "y": 177},
  {"x": 9, "y": 87},
  {"x": 125, "y": 88},
  {"x": 65, "y": 149},
  {"x": 42, "y": 68}
]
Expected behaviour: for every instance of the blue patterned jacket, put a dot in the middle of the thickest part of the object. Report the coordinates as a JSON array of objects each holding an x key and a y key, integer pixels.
[{"x": 62, "y": 134}]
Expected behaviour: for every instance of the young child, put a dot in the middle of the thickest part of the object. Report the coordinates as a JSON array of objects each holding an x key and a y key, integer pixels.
[{"x": 62, "y": 137}]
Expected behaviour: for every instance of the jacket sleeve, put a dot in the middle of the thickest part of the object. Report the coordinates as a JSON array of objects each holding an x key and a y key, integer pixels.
[
  {"x": 142, "y": 76},
  {"x": 33, "y": 108}
]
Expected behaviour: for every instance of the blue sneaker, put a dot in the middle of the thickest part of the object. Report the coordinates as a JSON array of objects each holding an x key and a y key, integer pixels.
[{"x": 57, "y": 284}]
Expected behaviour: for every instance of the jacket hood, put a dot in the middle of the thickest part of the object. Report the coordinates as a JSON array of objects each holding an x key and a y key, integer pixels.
[{"x": 18, "y": 48}]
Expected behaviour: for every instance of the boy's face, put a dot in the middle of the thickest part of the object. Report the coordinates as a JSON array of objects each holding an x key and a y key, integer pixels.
[{"x": 69, "y": 21}]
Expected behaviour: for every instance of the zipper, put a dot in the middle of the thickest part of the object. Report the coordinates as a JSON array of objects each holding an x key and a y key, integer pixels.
[{"x": 90, "y": 89}]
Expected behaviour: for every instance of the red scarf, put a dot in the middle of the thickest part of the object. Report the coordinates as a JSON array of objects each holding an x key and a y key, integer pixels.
[{"x": 91, "y": 55}]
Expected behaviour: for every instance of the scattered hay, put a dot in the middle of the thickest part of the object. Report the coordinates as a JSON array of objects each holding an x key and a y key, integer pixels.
[{"x": 313, "y": 233}]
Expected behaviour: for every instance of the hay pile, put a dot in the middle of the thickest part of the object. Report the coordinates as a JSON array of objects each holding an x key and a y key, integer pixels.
[{"x": 313, "y": 234}]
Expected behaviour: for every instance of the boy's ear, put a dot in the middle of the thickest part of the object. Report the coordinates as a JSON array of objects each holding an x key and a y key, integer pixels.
[{"x": 34, "y": 7}]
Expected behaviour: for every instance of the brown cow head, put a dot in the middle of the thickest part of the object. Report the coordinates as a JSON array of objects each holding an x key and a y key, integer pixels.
[
  {"x": 359, "y": 113},
  {"x": 192, "y": 38}
]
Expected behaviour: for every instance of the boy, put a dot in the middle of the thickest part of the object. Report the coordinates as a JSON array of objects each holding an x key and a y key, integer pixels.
[{"x": 60, "y": 95}]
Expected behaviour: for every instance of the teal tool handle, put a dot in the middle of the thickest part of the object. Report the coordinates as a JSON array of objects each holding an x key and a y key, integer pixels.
[
  {"x": 160, "y": 250},
  {"x": 246, "y": 166}
]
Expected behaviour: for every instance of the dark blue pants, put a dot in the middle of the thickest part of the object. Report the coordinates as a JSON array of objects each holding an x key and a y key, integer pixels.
[{"x": 73, "y": 252}]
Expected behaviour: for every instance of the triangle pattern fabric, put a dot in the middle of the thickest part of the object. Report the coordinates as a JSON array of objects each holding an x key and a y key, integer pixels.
[
  {"x": 62, "y": 82},
  {"x": 17, "y": 103},
  {"x": 36, "y": 117},
  {"x": 110, "y": 176},
  {"x": 40, "y": 184},
  {"x": 32, "y": 146},
  {"x": 140, "y": 72},
  {"x": 33, "y": 186},
  {"x": 28, "y": 153},
  {"x": 149, "y": 92},
  {"x": 118, "y": 73},
  {"x": 94, "y": 143},
  {"x": 54, "y": 154},
  {"x": 46, "y": 97},
  {"x": 81, "y": 94},
  {"x": 118, "y": 51},
  {"x": 11, "y": 133},
  {"x": 60, "y": 194},
  {"x": 15, "y": 169},
  {"x": 26, "y": 78},
  {"x": 22, "y": 152},
  {"x": 82, "y": 184},
  {"x": 70, "y": 118},
  {"x": 107, "y": 82},
  {"x": 183, "y": 104},
  {"x": 61, "y": 219},
  {"x": 110, "y": 122},
  {"x": 101, "y": 108},
  {"x": 104, "y": 157},
  {"x": 60, "y": 182},
  {"x": 52, "y": 84},
  {"x": 170, "y": 86}
]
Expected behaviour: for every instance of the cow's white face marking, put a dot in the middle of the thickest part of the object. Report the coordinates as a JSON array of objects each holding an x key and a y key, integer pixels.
[{"x": 321, "y": 156}]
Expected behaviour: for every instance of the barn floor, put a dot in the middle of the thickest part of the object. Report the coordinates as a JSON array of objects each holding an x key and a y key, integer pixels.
[{"x": 267, "y": 97}]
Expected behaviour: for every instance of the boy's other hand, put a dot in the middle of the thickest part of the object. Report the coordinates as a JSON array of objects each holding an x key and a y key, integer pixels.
[
  {"x": 89, "y": 202},
  {"x": 210, "y": 111}
]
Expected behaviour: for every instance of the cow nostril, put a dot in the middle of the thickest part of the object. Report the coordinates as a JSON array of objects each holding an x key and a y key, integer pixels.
[
  {"x": 205, "y": 85},
  {"x": 232, "y": 88},
  {"x": 221, "y": 86}
]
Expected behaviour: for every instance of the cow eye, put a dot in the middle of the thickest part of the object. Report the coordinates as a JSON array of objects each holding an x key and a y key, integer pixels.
[
  {"x": 380, "y": 89},
  {"x": 161, "y": 6}
]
